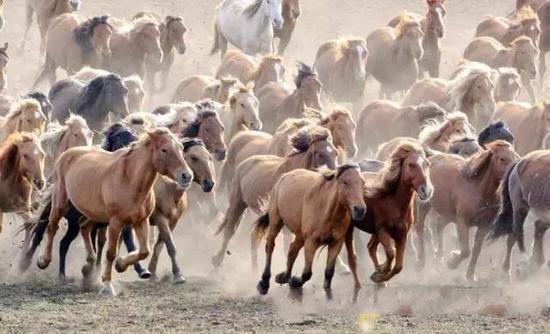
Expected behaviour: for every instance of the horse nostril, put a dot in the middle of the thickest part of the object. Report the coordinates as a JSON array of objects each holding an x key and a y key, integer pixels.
[
  {"x": 186, "y": 177},
  {"x": 359, "y": 212},
  {"x": 207, "y": 185}
]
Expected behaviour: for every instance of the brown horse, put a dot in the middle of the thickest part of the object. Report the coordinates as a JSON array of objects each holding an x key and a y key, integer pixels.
[
  {"x": 73, "y": 42},
  {"x": 255, "y": 177},
  {"x": 241, "y": 112},
  {"x": 25, "y": 116},
  {"x": 197, "y": 87},
  {"x": 132, "y": 45},
  {"x": 382, "y": 120},
  {"x": 208, "y": 127},
  {"x": 318, "y": 209},
  {"x": 389, "y": 195},
  {"x": 544, "y": 46},
  {"x": 393, "y": 56},
  {"x": 21, "y": 170},
  {"x": 508, "y": 85},
  {"x": 278, "y": 104},
  {"x": 528, "y": 123},
  {"x": 341, "y": 64},
  {"x": 46, "y": 11},
  {"x": 466, "y": 193},
  {"x": 470, "y": 90},
  {"x": 248, "y": 69},
  {"x": 4, "y": 59},
  {"x": 505, "y": 31},
  {"x": 291, "y": 13},
  {"x": 130, "y": 171},
  {"x": 521, "y": 55}
]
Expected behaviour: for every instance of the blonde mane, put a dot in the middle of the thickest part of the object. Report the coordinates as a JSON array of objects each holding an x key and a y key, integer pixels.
[
  {"x": 406, "y": 22},
  {"x": 261, "y": 66},
  {"x": 55, "y": 131},
  {"x": 526, "y": 13},
  {"x": 138, "y": 25},
  {"x": 465, "y": 74},
  {"x": 340, "y": 45},
  {"x": 305, "y": 137},
  {"x": 433, "y": 130},
  {"x": 293, "y": 124}
]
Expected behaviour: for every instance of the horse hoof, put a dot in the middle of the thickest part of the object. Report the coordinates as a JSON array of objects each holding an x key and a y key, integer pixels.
[
  {"x": 263, "y": 287},
  {"x": 281, "y": 278},
  {"x": 119, "y": 266},
  {"x": 87, "y": 269},
  {"x": 108, "y": 290},
  {"x": 154, "y": 278},
  {"x": 295, "y": 282},
  {"x": 179, "y": 279},
  {"x": 145, "y": 274},
  {"x": 42, "y": 263},
  {"x": 522, "y": 270},
  {"x": 454, "y": 261},
  {"x": 62, "y": 279},
  {"x": 471, "y": 277},
  {"x": 377, "y": 277},
  {"x": 25, "y": 263}
]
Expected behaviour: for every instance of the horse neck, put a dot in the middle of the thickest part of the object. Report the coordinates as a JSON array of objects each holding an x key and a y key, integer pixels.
[
  {"x": 466, "y": 103},
  {"x": 237, "y": 124},
  {"x": 261, "y": 79},
  {"x": 140, "y": 171},
  {"x": 400, "y": 57},
  {"x": 403, "y": 196},
  {"x": 165, "y": 44},
  {"x": 98, "y": 108},
  {"x": 346, "y": 67},
  {"x": 129, "y": 47},
  {"x": 335, "y": 204},
  {"x": 61, "y": 7},
  {"x": 295, "y": 103},
  {"x": 295, "y": 161},
  {"x": 489, "y": 184},
  {"x": 430, "y": 40}
]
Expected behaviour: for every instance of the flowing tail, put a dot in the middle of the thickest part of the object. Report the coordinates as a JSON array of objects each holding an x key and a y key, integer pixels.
[
  {"x": 504, "y": 221},
  {"x": 216, "y": 45},
  {"x": 261, "y": 227}
]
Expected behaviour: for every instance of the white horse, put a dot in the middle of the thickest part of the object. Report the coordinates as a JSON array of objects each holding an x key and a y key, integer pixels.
[{"x": 247, "y": 24}]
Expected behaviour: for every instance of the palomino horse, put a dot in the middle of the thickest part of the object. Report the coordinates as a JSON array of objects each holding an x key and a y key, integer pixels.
[
  {"x": 21, "y": 170},
  {"x": 389, "y": 195},
  {"x": 521, "y": 55},
  {"x": 505, "y": 31},
  {"x": 247, "y": 24},
  {"x": 522, "y": 193},
  {"x": 25, "y": 116},
  {"x": 4, "y": 59},
  {"x": 255, "y": 177},
  {"x": 466, "y": 193},
  {"x": 278, "y": 104},
  {"x": 318, "y": 209},
  {"x": 241, "y": 112},
  {"x": 393, "y": 56},
  {"x": 529, "y": 124},
  {"x": 46, "y": 11},
  {"x": 197, "y": 87},
  {"x": 508, "y": 85},
  {"x": 247, "y": 69},
  {"x": 291, "y": 13},
  {"x": 341, "y": 65},
  {"x": 129, "y": 171},
  {"x": 73, "y": 42},
  {"x": 471, "y": 88}
]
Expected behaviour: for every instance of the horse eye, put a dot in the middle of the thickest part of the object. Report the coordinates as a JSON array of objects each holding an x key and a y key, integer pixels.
[
  {"x": 345, "y": 183},
  {"x": 163, "y": 150},
  {"x": 242, "y": 105},
  {"x": 194, "y": 159}
]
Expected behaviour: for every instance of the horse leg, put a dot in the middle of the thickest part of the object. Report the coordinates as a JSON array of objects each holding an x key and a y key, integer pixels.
[
  {"x": 142, "y": 234},
  {"x": 60, "y": 202},
  {"x": 284, "y": 39},
  {"x": 101, "y": 233},
  {"x": 36, "y": 238},
  {"x": 88, "y": 268},
  {"x": 254, "y": 251},
  {"x": 332, "y": 254},
  {"x": 352, "y": 258},
  {"x": 528, "y": 84},
  {"x": 463, "y": 238},
  {"x": 274, "y": 228},
  {"x": 420, "y": 228},
  {"x": 231, "y": 222},
  {"x": 372, "y": 246},
  {"x": 310, "y": 247},
  {"x": 72, "y": 232},
  {"x": 293, "y": 251},
  {"x": 113, "y": 234},
  {"x": 437, "y": 227},
  {"x": 510, "y": 241},
  {"x": 478, "y": 243},
  {"x": 223, "y": 44},
  {"x": 386, "y": 241},
  {"x": 29, "y": 13},
  {"x": 401, "y": 246},
  {"x": 157, "y": 248},
  {"x": 128, "y": 238},
  {"x": 166, "y": 235},
  {"x": 542, "y": 69},
  {"x": 537, "y": 257}
]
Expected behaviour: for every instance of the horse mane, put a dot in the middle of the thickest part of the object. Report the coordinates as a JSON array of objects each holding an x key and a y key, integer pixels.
[
  {"x": 93, "y": 90},
  {"x": 9, "y": 153},
  {"x": 405, "y": 23},
  {"x": 83, "y": 34},
  {"x": 188, "y": 143},
  {"x": 432, "y": 131},
  {"x": 387, "y": 179},
  {"x": 429, "y": 110},
  {"x": 304, "y": 71},
  {"x": 335, "y": 174},
  {"x": 140, "y": 24},
  {"x": 205, "y": 109},
  {"x": 292, "y": 124},
  {"x": 176, "y": 113},
  {"x": 17, "y": 109},
  {"x": 55, "y": 131},
  {"x": 478, "y": 164},
  {"x": 336, "y": 113},
  {"x": 463, "y": 77},
  {"x": 250, "y": 10},
  {"x": 114, "y": 131},
  {"x": 526, "y": 13},
  {"x": 341, "y": 45},
  {"x": 508, "y": 73},
  {"x": 305, "y": 137},
  {"x": 265, "y": 59}
]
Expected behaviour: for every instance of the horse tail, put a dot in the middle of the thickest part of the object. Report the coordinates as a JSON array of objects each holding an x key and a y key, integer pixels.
[
  {"x": 504, "y": 221},
  {"x": 261, "y": 227},
  {"x": 216, "y": 45}
]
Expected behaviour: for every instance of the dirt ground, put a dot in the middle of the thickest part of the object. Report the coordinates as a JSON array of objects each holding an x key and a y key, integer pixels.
[{"x": 436, "y": 300}]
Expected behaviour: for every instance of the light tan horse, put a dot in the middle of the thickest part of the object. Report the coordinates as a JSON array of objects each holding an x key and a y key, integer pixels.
[
  {"x": 521, "y": 55},
  {"x": 73, "y": 42},
  {"x": 508, "y": 85},
  {"x": 21, "y": 170},
  {"x": 197, "y": 87},
  {"x": 255, "y": 177},
  {"x": 506, "y": 31},
  {"x": 278, "y": 104},
  {"x": 25, "y": 116},
  {"x": 46, "y": 11},
  {"x": 318, "y": 209},
  {"x": 382, "y": 120},
  {"x": 241, "y": 112},
  {"x": 528, "y": 123},
  {"x": 59, "y": 138},
  {"x": 341, "y": 64},
  {"x": 121, "y": 193},
  {"x": 248, "y": 69},
  {"x": 470, "y": 90},
  {"x": 466, "y": 193},
  {"x": 393, "y": 56}
]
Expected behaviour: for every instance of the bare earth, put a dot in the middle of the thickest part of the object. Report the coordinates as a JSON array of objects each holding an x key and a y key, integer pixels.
[{"x": 437, "y": 300}]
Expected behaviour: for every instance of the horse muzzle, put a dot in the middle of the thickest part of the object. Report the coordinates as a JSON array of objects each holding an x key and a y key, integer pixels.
[
  {"x": 220, "y": 154},
  {"x": 255, "y": 126},
  {"x": 39, "y": 183},
  {"x": 424, "y": 193},
  {"x": 358, "y": 212},
  {"x": 207, "y": 185},
  {"x": 277, "y": 24},
  {"x": 181, "y": 48},
  {"x": 185, "y": 180}
]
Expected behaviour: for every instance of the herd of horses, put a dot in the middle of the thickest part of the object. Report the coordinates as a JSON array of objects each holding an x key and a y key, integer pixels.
[{"x": 308, "y": 159}]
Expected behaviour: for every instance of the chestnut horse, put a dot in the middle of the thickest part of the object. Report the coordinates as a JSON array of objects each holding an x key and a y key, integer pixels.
[
  {"x": 291, "y": 13},
  {"x": 318, "y": 208},
  {"x": 130, "y": 171},
  {"x": 525, "y": 23}
]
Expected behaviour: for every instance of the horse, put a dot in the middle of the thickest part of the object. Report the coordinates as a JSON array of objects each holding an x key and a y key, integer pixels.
[
  {"x": 2, "y": 19},
  {"x": 393, "y": 56},
  {"x": 466, "y": 193},
  {"x": 132, "y": 171},
  {"x": 21, "y": 171},
  {"x": 341, "y": 64},
  {"x": 278, "y": 104},
  {"x": 471, "y": 88},
  {"x": 256, "y": 176},
  {"x": 521, "y": 55},
  {"x": 133, "y": 83},
  {"x": 465, "y": 147},
  {"x": 543, "y": 12},
  {"x": 197, "y": 87},
  {"x": 506, "y": 31},
  {"x": 93, "y": 101},
  {"x": 528, "y": 123},
  {"x": 495, "y": 131},
  {"x": 43, "y": 100},
  {"x": 172, "y": 36},
  {"x": 241, "y": 112},
  {"x": 59, "y": 138},
  {"x": 389, "y": 194},
  {"x": 318, "y": 208},
  {"x": 45, "y": 11},
  {"x": 4, "y": 60},
  {"x": 382, "y": 120},
  {"x": 208, "y": 127},
  {"x": 508, "y": 85},
  {"x": 291, "y": 12},
  {"x": 73, "y": 42},
  {"x": 248, "y": 69},
  {"x": 133, "y": 44},
  {"x": 247, "y": 24},
  {"x": 25, "y": 116},
  {"x": 521, "y": 193}
]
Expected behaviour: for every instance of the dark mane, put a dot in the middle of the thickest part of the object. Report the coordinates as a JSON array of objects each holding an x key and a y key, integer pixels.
[
  {"x": 191, "y": 142},
  {"x": 117, "y": 136},
  {"x": 206, "y": 109},
  {"x": 253, "y": 8},
  {"x": 329, "y": 175},
  {"x": 92, "y": 91},
  {"x": 304, "y": 71},
  {"x": 171, "y": 19},
  {"x": 84, "y": 33}
]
